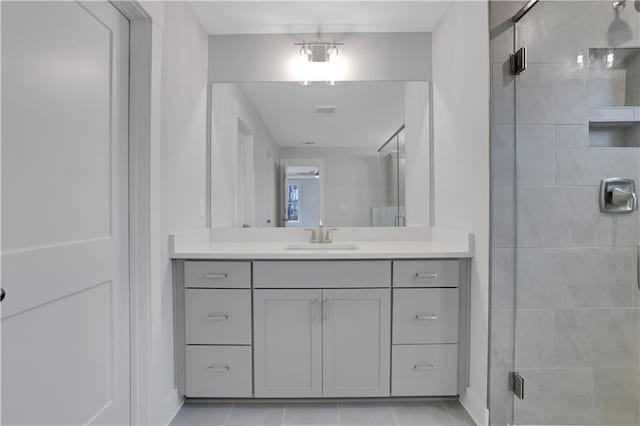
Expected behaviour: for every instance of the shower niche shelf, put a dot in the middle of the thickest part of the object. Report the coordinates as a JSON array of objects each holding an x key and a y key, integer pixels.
[
  {"x": 615, "y": 116},
  {"x": 613, "y": 97}
]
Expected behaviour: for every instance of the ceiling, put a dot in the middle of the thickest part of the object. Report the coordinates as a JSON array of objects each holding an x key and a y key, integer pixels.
[
  {"x": 366, "y": 114},
  {"x": 301, "y": 17}
]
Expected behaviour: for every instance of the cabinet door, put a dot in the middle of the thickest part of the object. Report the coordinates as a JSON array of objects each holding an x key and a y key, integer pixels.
[
  {"x": 356, "y": 342},
  {"x": 287, "y": 343}
]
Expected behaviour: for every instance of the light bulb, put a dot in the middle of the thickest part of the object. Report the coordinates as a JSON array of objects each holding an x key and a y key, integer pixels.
[{"x": 609, "y": 60}]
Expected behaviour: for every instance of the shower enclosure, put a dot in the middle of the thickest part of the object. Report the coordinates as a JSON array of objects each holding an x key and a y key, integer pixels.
[
  {"x": 565, "y": 323},
  {"x": 391, "y": 210}
]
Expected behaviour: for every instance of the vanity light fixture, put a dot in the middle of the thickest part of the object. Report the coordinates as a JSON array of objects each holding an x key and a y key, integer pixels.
[
  {"x": 320, "y": 60},
  {"x": 319, "y": 51}
]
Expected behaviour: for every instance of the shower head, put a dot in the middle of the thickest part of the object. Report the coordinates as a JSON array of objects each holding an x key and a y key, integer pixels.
[{"x": 619, "y": 4}]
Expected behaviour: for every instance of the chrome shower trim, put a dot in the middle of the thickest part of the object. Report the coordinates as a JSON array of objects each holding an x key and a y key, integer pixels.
[{"x": 524, "y": 10}]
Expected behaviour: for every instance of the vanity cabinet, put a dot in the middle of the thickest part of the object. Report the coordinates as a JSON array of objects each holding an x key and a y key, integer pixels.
[
  {"x": 287, "y": 327},
  {"x": 329, "y": 342},
  {"x": 321, "y": 328}
]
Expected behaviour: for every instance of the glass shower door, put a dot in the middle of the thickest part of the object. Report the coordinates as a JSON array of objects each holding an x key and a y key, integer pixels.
[
  {"x": 390, "y": 209},
  {"x": 577, "y": 123}
]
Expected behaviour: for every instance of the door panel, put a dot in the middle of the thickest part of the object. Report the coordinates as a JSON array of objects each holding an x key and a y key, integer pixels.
[
  {"x": 356, "y": 342},
  {"x": 65, "y": 319},
  {"x": 287, "y": 343}
]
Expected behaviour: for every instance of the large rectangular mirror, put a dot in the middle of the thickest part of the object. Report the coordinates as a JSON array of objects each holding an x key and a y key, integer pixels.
[{"x": 291, "y": 155}]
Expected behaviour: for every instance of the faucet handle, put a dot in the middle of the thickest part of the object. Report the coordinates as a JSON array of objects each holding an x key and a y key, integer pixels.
[
  {"x": 327, "y": 237},
  {"x": 314, "y": 238}
]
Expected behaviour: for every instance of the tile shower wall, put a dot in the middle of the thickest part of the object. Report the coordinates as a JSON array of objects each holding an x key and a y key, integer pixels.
[{"x": 577, "y": 317}]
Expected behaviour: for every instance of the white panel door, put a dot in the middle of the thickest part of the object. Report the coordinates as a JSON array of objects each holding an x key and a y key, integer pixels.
[
  {"x": 287, "y": 343},
  {"x": 65, "y": 319},
  {"x": 356, "y": 342}
]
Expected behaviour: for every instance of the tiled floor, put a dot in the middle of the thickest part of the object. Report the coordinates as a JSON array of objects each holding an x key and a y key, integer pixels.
[{"x": 424, "y": 413}]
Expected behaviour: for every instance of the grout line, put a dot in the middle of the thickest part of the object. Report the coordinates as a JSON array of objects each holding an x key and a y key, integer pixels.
[
  {"x": 284, "y": 413},
  {"x": 226, "y": 419},
  {"x": 446, "y": 410},
  {"x": 393, "y": 412}
]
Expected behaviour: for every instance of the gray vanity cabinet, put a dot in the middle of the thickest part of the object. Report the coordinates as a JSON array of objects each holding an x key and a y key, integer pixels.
[{"x": 321, "y": 328}]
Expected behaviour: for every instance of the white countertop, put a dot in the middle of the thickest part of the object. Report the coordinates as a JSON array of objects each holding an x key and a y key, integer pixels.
[{"x": 272, "y": 243}]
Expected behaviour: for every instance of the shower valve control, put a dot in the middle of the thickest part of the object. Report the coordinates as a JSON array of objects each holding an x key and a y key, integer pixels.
[{"x": 618, "y": 195}]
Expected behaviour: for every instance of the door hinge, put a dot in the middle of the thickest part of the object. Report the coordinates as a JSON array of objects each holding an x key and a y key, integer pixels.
[
  {"x": 516, "y": 384},
  {"x": 518, "y": 61}
]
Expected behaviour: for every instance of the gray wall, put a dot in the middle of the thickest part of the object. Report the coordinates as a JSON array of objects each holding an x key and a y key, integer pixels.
[
  {"x": 352, "y": 182},
  {"x": 367, "y": 56},
  {"x": 182, "y": 173}
]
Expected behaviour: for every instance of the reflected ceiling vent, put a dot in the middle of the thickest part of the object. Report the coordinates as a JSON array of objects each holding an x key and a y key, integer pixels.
[{"x": 325, "y": 109}]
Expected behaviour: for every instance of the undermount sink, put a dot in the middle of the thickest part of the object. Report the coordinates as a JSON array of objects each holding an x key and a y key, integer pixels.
[{"x": 322, "y": 246}]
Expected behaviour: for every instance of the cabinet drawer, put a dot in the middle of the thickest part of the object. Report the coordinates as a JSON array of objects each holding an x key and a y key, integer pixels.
[
  {"x": 207, "y": 274},
  {"x": 425, "y": 315},
  {"x": 220, "y": 317},
  {"x": 426, "y": 273},
  {"x": 218, "y": 372},
  {"x": 424, "y": 370},
  {"x": 322, "y": 274}
]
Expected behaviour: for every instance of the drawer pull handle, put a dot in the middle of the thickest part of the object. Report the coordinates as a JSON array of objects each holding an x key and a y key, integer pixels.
[
  {"x": 422, "y": 275},
  {"x": 214, "y": 276},
  {"x": 213, "y": 317},
  {"x": 427, "y": 317},
  {"x": 424, "y": 367},
  {"x": 219, "y": 368}
]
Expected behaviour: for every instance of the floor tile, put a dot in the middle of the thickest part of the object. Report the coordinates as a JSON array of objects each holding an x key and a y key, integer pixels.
[
  {"x": 202, "y": 415},
  {"x": 366, "y": 414},
  {"x": 427, "y": 413},
  {"x": 316, "y": 414},
  {"x": 458, "y": 413},
  {"x": 256, "y": 415}
]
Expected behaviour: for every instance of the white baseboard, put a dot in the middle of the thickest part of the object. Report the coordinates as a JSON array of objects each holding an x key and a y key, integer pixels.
[
  {"x": 172, "y": 405},
  {"x": 475, "y": 407}
]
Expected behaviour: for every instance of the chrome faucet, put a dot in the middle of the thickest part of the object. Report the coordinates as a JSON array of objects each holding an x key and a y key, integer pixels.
[{"x": 320, "y": 236}]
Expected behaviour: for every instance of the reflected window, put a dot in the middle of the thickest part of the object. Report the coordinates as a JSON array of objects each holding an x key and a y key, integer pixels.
[{"x": 293, "y": 203}]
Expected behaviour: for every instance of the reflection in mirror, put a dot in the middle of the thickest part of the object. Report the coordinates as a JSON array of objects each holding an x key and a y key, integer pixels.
[
  {"x": 353, "y": 154},
  {"x": 302, "y": 201}
]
